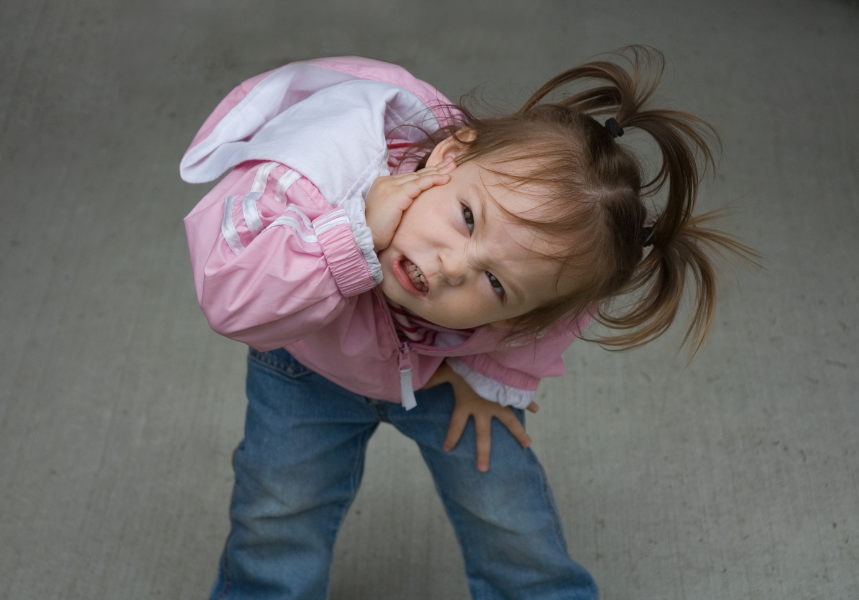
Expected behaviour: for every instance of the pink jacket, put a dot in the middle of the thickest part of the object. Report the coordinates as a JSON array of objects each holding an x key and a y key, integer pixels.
[{"x": 280, "y": 251}]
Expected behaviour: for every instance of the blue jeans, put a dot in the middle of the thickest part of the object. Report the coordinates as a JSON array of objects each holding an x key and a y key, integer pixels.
[{"x": 300, "y": 464}]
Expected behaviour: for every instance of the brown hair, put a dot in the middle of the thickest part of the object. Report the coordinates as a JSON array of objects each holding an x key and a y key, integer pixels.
[{"x": 594, "y": 198}]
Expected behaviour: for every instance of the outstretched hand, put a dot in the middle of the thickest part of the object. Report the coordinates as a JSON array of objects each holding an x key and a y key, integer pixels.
[
  {"x": 470, "y": 404},
  {"x": 390, "y": 197}
]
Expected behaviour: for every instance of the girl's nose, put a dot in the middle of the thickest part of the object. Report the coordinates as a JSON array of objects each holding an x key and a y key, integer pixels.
[{"x": 454, "y": 265}]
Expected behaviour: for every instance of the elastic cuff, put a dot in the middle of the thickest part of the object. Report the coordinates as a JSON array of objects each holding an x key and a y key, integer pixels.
[{"x": 344, "y": 257}]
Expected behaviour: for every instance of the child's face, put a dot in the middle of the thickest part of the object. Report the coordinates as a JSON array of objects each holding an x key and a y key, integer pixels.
[{"x": 478, "y": 265}]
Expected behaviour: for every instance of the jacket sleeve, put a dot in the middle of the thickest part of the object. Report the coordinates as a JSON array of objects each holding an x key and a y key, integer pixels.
[{"x": 273, "y": 261}]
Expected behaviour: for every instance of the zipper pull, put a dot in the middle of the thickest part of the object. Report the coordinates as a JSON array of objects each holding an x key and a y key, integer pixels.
[{"x": 407, "y": 394}]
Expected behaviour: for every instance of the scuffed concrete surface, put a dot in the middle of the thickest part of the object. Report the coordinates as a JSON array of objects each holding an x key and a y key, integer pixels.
[{"x": 737, "y": 477}]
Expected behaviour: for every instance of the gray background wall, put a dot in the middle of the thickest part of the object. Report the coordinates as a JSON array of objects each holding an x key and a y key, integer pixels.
[{"x": 734, "y": 478}]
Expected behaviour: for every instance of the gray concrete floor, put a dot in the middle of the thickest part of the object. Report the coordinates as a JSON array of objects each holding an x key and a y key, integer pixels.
[{"x": 737, "y": 477}]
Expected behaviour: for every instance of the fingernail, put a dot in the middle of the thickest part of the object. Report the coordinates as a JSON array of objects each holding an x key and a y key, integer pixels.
[{"x": 483, "y": 468}]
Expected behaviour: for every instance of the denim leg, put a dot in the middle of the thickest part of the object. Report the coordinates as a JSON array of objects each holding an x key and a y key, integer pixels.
[
  {"x": 505, "y": 520},
  {"x": 297, "y": 471}
]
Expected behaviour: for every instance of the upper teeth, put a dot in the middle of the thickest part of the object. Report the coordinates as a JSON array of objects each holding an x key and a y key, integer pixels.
[{"x": 418, "y": 273}]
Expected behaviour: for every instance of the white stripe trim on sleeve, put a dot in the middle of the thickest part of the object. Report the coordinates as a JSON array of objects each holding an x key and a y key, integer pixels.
[
  {"x": 344, "y": 220},
  {"x": 289, "y": 221},
  {"x": 334, "y": 214},
  {"x": 250, "y": 212},
  {"x": 332, "y": 219},
  {"x": 262, "y": 176},
  {"x": 228, "y": 229},
  {"x": 284, "y": 183},
  {"x": 304, "y": 218}
]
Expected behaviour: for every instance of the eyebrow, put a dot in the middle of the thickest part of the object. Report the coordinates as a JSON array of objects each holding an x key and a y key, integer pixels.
[{"x": 481, "y": 195}]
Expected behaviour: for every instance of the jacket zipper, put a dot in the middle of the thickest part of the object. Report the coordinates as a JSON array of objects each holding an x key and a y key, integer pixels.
[
  {"x": 407, "y": 394},
  {"x": 404, "y": 363}
]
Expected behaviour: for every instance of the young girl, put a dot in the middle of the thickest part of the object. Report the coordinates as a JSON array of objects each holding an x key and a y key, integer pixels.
[{"x": 372, "y": 241}]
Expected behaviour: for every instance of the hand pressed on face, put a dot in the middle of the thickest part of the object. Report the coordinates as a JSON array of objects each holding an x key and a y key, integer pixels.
[
  {"x": 390, "y": 196},
  {"x": 470, "y": 404}
]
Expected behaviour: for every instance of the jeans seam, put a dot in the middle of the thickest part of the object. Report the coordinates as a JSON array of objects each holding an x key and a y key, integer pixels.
[
  {"x": 354, "y": 483},
  {"x": 545, "y": 492},
  {"x": 228, "y": 582},
  {"x": 225, "y": 571},
  {"x": 445, "y": 500}
]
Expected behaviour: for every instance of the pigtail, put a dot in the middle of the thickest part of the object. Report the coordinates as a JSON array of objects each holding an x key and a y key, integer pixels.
[
  {"x": 648, "y": 260},
  {"x": 662, "y": 280},
  {"x": 681, "y": 251},
  {"x": 682, "y": 247}
]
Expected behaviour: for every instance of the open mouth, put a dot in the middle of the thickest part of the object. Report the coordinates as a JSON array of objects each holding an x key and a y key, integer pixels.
[{"x": 410, "y": 276}]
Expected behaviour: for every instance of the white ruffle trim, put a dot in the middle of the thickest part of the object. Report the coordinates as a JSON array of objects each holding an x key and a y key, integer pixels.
[{"x": 492, "y": 390}]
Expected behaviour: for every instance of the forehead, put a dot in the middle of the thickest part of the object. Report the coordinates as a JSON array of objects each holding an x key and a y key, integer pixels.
[
  {"x": 511, "y": 205},
  {"x": 498, "y": 182}
]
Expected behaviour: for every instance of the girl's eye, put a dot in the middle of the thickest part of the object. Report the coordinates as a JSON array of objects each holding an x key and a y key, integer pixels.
[
  {"x": 496, "y": 285},
  {"x": 469, "y": 218}
]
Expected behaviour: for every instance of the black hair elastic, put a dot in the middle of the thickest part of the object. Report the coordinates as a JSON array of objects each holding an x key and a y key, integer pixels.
[
  {"x": 614, "y": 128},
  {"x": 647, "y": 236}
]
